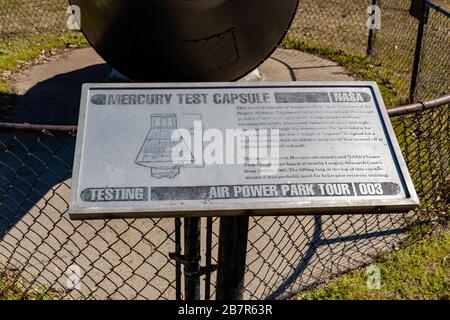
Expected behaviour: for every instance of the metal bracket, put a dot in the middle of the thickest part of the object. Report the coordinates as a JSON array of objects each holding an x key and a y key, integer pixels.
[{"x": 203, "y": 270}]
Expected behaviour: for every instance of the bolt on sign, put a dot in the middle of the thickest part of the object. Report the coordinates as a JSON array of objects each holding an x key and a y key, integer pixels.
[{"x": 159, "y": 150}]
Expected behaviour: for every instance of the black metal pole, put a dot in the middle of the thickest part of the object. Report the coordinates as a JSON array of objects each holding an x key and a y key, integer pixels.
[
  {"x": 418, "y": 52},
  {"x": 177, "y": 262},
  {"x": 232, "y": 258},
  {"x": 192, "y": 258},
  {"x": 208, "y": 266}
]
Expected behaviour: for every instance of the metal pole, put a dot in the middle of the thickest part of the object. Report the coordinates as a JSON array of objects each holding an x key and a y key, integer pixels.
[
  {"x": 419, "y": 106},
  {"x": 232, "y": 258},
  {"x": 177, "y": 262},
  {"x": 418, "y": 52},
  {"x": 192, "y": 258},
  {"x": 208, "y": 267}
]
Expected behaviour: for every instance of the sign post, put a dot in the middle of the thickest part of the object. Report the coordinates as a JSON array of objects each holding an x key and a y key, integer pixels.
[
  {"x": 192, "y": 270},
  {"x": 232, "y": 257}
]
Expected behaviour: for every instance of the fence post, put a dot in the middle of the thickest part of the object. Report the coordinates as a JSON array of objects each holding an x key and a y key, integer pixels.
[
  {"x": 192, "y": 271},
  {"x": 232, "y": 258},
  {"x": 208, "y": 267},
  {"x": 371, "y": 35},
  {"x": 418, "y": 51},
  {"x": 177, "y": 262}
]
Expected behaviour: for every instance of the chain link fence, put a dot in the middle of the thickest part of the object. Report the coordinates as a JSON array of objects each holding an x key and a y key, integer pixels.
[
  {"x": 433, "y": 62},
  {"x": 43, "y": 252},
  {"x": 340, "y": 26},
  {"x": 394, "y": 44},
  {"x": 21, "y": 18},
  {"x": 128, "y": 259}
]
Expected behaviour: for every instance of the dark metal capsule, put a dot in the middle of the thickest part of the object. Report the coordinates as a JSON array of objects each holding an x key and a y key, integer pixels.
[{"x": 185, "y": 40}]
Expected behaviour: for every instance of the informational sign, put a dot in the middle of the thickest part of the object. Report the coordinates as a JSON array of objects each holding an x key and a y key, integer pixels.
[{"x": 165, "y": 150}]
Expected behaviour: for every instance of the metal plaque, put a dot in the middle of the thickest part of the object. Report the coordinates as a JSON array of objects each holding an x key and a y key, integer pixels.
[{"x": 159, "y": 150}]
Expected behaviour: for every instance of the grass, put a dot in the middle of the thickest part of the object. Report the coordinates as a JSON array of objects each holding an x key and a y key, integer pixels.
[
  {"x": 342, "y": 26},
  {"x": 25, "y": 17},
  {"x": 424, "y": 141},
  {"x": 15, "y": 288},
  {"x": 421, "y": 270},
  {"x": 15, "y": 52},
  {"x": 361, "y": 68}
]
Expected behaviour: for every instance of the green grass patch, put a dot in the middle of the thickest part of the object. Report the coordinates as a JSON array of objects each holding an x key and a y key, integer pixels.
[
  {"x": 14, "y": 52},
  {"x": 421, "y": 270},
  {"x": 361, "y": 68},
  {"x": 13, "y": 288}
]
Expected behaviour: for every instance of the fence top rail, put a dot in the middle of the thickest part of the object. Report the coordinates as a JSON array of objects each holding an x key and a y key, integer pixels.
[
  {"x": 37, "y": 128},
  {"x": 419, "y": 106},
  {"x": 437, "y": 7},
  {"x": 26, "y": 128}
]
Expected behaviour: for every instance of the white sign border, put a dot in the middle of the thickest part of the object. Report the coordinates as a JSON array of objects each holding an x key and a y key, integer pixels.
[{"x": 354, "y": 206}]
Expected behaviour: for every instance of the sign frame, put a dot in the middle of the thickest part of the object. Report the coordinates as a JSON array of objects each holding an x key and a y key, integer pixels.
[{"x": 275, "y": 208}]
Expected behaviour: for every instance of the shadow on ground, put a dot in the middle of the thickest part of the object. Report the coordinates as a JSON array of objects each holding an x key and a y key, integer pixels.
[
  {"x": 56, "y": 100},
  {"x": 7, "y": 102},
  {"x": 32, "y": 164}
]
